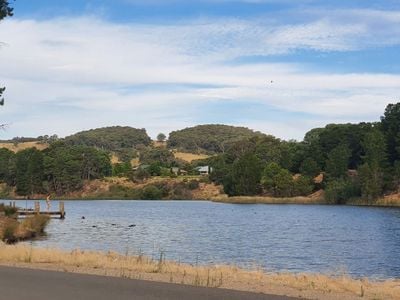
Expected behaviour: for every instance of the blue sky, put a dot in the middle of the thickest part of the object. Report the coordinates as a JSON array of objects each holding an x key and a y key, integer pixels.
[{"x": 281, "y": 67}]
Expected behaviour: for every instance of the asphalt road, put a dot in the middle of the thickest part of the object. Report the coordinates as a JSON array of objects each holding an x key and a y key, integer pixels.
[{"x": 27, "y": 284}]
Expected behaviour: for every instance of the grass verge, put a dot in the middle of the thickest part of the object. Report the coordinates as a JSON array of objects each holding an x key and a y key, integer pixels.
[{"x": 311, "y": 286}]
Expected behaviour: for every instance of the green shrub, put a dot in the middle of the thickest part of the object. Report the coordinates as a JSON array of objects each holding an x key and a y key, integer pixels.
[
  {"x": 151, "y": 192},
  {"x": 339, "y": 191},
  {"x": 9, "y": 211},
  {"x": 303, "y": 186}
]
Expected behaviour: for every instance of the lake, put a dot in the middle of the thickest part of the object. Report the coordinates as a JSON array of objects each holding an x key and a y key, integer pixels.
[{"x": 360, "y": 241}]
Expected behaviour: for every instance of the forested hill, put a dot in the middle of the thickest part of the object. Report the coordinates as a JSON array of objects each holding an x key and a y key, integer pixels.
[
  {"x": 110, "y": 138},
  {"x": 209, "y": 138}
]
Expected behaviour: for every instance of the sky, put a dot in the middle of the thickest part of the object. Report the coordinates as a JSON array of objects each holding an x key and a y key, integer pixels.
[{"x": 281, "y": 67}]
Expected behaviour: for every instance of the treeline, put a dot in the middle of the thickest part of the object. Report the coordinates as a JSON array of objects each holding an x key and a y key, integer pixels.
[
  {"x": 62, "y": 168},
  {"x": 352, "y": 160},
  {"x": 59, "y": 169},
  {"x": 208, "y": 138},
  {"x": 345, "y": 160}
]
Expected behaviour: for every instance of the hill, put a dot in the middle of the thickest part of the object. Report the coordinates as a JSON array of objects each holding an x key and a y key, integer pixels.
[
  {"x": 110, "y": 138},
  {"x": 208, "y": 138}
]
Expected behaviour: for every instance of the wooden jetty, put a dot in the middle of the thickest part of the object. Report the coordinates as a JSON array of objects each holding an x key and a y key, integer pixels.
[{"x": 36, "y": 211}]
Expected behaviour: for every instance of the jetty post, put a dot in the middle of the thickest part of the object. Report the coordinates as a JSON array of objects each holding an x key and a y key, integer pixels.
[
  {"x": 37, "y": 207},
  {"x": 61, "y": 209}
]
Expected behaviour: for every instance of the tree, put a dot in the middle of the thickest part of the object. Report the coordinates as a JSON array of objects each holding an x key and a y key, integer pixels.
[
  {"x": 66, "y": 166},
  {"x": 309, "y": 167},
  {"x": 371, "y": 173},
  {"x": 154, "y": 169},
  {"x": 5, "y": 11},
  {"x": 337, "y": 162},
  {"x": 7, "y": 166},
  {"x": 277, "y": 180},
  {"x": 397, "y": 174},
  {"x": 245, "y": 176},
  {"x": 302, "y": 186},
  {"x": 161, "y": 156},
  {"x": 29, "y": 172},
  {"x": 1, "y": 93},
  {"x": 370, "y": 182},
  {"x": 94, "y": 163},
  {"x": 338, "y": 191},
  {"x": 391, "y": 128},
  {"x": 121, "y": 169},
  {"x": 161, "y": 137}
]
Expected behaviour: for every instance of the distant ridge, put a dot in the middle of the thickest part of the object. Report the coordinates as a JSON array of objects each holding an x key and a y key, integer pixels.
[
  {"x": 211, "y": 138},
  {"x": 110, "y": 138}
]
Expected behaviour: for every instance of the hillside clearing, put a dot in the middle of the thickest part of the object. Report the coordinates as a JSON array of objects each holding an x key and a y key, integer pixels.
[
  {"x": 22, "y": 146},
  {"x": 189, "y": 157}
]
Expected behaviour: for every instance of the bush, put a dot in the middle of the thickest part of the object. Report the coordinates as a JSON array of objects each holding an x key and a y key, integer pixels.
[
  {"x": 9, "y": 230},
  {"x": 140, "y": 175},
  {"x": 181, "y": 192},
  {"x": 193, "y": 185},
  {"x": 36, "y": 224},
  {"x": 151, "y": 192},
  {"x": 303, "y": 186},
  {"x": 8, "y": 210},
  {"x": 341, "y": 190}
]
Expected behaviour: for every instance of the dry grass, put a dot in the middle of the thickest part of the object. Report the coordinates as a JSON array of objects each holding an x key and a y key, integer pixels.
[
  {"x": 189, "y": 157},
  {"x": 114, "y": 159},
  {"x": 207, "y": 191},
  {"x": 12, "y": 231},
  {"x": 269, "y": 200},
  {"x": 392, "y": 200},
  {"x": 140, "y": 267},
  {"x": 135, "y": 162},
  {"x": 159, "y": 144},
  {"x": 23, "y": 146}
]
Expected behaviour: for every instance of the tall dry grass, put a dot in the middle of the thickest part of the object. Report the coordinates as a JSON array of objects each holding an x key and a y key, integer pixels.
[
  {"x": 312, "y": 286},
  {"x": 268, "y": 200},
  {"x": 12, "y": 230}
]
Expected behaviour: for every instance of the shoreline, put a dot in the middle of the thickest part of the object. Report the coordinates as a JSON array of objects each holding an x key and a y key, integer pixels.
[
  {"x": 309, "y": 286},
  {"x": 241, "y": 200}
]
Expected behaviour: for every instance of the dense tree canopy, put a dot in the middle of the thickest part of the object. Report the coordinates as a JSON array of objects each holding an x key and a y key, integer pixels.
[
  {"x": 391, "y": 129},
  {"x": 346, "y": 160},
  {"x": 208, "y": 138},
  {"x": 110, "y": 138},
  {"x": 356, "y": 160},
  {"x": 66, "y": 167}
]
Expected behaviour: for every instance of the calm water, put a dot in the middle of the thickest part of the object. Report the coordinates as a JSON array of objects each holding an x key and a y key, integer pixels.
[{"x": 360, "y": 241}]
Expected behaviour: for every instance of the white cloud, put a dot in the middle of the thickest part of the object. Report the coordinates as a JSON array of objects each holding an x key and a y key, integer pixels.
[{"x": 69, "y": 74}]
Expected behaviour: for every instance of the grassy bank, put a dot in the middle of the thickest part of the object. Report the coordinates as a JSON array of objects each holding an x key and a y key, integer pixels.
[
  {"x": 311, "y": 286},
  {"x": 387, "y": 201},
  {"x": 267, "y": 200},
  {"x": 392, "y": 200},
  {"x": 315, "y": 198}
]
